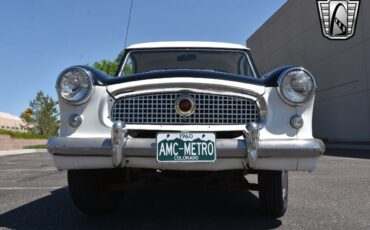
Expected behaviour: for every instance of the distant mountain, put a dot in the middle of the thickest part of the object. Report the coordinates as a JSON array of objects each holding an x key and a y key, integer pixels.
[{"x": 179, "y": 140}]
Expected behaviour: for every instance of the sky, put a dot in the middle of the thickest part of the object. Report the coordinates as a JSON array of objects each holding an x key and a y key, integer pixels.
[{"x": 40, "y": 38}]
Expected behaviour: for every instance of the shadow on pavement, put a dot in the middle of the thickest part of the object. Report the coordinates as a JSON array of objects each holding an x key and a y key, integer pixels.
[
  {"x": 170, "y": 208},
  {"x": 361, "y": 154}
]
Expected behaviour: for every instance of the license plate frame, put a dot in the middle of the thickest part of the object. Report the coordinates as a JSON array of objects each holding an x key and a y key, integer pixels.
[{"x": 191, "y": 147}]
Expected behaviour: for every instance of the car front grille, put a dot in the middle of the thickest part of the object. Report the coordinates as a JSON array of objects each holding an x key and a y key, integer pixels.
[{"x": 159, "y": 109}]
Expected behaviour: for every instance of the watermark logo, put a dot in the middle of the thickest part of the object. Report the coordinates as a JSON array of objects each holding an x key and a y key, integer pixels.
[{"x": 338, "y": 18}]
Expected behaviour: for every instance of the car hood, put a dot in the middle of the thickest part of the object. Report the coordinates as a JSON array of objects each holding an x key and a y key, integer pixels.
[{"x": 186, "y": 80}]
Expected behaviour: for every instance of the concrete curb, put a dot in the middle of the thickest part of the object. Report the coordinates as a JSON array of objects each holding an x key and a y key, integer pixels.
[{"x": 21, "y": 151}]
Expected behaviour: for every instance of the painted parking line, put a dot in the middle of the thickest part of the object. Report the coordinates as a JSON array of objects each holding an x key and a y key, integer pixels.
[
  {"x": 30, "y": 170},
  {"x": 30, "y": 188},
  {"x": 21, "y": 152}
]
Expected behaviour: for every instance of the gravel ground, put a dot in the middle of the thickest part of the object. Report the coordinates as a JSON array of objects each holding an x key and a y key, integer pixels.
[{"x": 33, "y": 195}]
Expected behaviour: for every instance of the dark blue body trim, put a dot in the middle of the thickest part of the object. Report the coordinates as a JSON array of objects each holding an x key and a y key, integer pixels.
[{"x": 269, "y": 80}]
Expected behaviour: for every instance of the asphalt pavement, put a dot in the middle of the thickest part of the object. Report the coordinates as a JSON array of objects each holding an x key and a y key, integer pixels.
[{"x": 33, "y": 195}]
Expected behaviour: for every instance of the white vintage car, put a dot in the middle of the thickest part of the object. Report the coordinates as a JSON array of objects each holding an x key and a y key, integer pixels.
[{"x": 184, "y": 111}]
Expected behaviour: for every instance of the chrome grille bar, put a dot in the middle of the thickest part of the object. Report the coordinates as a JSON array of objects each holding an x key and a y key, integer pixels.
[{"x": 159, "y": 109}]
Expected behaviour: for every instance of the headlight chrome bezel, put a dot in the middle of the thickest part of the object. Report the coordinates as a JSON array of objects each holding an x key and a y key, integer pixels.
[
  {"x": 90, "y": 82},
  {"x": 283, "y": 96}
]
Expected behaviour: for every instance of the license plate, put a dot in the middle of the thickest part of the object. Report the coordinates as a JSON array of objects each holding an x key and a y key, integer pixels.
[{"x": 186, "y": 147}]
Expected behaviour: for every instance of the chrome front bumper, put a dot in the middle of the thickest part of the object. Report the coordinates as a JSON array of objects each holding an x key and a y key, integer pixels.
[{"x": 254, "y": 152}]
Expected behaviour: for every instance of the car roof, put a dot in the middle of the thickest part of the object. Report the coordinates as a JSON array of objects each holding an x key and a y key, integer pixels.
[{"x": 187, "y": 44}]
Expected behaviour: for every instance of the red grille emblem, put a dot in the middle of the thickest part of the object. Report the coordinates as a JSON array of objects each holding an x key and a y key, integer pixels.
[{"x": 185, "y": 106}]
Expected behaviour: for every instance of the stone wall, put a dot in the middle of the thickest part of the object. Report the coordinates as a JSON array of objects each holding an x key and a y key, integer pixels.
[
  {"x": 4, "y": 137},
  {"x": 10, "y": 144}
]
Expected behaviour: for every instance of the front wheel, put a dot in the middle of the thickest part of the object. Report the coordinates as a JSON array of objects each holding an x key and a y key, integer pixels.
[
  {"x": 273, "y": 192},
  {"x": 91, "y": 190}
]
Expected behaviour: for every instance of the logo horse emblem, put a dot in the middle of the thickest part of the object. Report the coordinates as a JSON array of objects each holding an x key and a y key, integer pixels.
[{"x": 338, "y": 18}]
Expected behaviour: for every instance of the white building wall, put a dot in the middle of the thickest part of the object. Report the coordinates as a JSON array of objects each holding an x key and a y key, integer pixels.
[{"x": 10, "y": 122}]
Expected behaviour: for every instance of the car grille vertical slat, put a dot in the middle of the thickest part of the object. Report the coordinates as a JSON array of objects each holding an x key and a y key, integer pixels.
[{"x": 211, "y": 109}]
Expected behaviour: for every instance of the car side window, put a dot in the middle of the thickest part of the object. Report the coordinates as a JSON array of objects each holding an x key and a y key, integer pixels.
[
  {"x": 245, "y": 67},
  {"x": 129, "y": 67}
]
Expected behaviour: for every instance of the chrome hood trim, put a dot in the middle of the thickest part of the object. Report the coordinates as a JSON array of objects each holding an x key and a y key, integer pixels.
[{"x": 185, "y": 84}]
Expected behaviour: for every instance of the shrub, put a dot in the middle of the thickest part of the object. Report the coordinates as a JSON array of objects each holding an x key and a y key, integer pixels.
[
  {"x": 35, "y": 147},
  {"x": 22, "y": 135}
]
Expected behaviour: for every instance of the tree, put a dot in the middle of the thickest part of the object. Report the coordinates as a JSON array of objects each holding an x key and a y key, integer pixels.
[
  {"x": 109, "y": 67},
  {"x": 26, "y": 116},
  {"x": 119, "y": 57},
  {"x": 44, "y": 114}
]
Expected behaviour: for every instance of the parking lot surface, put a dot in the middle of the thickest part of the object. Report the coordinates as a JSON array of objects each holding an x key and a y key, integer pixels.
[{"x": 33, "y": 195}]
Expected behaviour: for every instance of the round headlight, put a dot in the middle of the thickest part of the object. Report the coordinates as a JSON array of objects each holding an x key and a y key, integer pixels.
[
  {"x": 75, "y": 85},
  {"x": 296, "y": 86}
]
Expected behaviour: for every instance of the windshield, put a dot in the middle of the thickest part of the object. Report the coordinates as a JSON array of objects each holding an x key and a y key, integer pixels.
[{"x": 235, "y": 62}]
